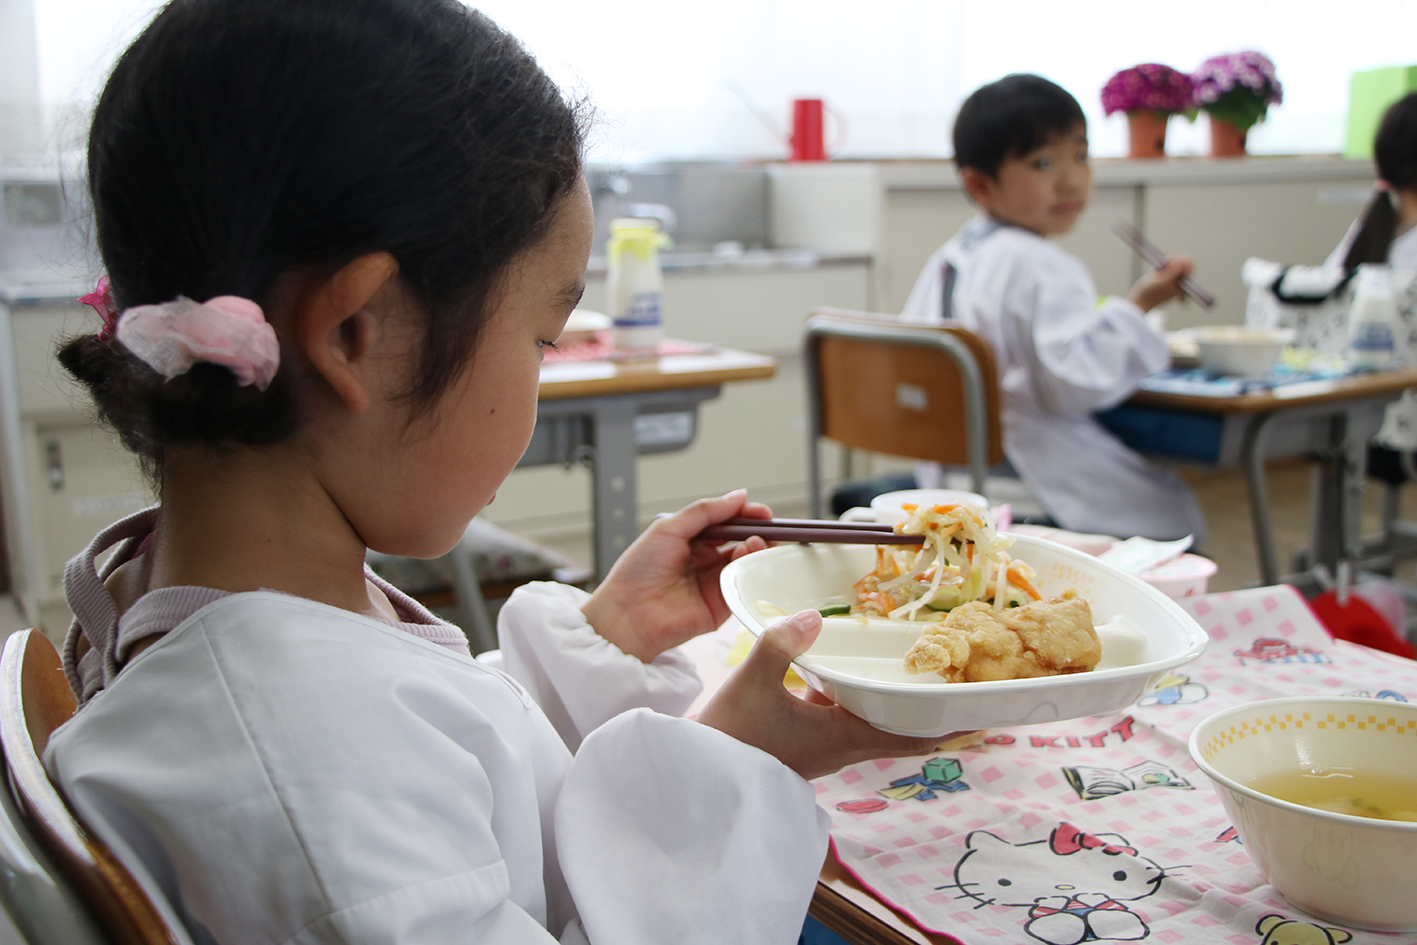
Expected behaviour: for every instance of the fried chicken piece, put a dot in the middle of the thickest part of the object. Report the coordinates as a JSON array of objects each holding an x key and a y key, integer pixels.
[
  {"x": 940, "y": 649},
  {"x": 977, "y": 643}
]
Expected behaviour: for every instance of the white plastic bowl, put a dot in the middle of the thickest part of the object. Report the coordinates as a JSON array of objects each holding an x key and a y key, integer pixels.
[
  {"x": 1355, "y": 871},
  {"x": 1239, "y": 352},
  {"x": 886, "y": 508},
  {"x": 583, "y": 325},
  {"x": 858, "y": 663}
]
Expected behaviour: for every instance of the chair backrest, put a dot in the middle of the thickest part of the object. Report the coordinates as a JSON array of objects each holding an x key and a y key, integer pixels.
[
  {"x": 35, "y": 699},
  {"x": 923, "y": 392}
]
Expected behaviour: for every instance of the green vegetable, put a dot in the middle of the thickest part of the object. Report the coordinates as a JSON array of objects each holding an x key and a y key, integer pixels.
[{"x": 834, "y": 610}]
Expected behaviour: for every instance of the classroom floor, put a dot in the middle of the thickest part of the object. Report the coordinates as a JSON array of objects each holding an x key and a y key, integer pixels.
[{"x": 1230, "y": 542}]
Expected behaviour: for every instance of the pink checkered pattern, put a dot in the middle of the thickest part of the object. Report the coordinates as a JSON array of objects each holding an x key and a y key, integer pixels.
[{"x": 1019, "y": 788}]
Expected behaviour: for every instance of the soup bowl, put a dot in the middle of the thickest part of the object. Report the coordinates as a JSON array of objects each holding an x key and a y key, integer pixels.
[
  {"x": 1239, "y": 352},
  {"x": 1356, "y": 871}
]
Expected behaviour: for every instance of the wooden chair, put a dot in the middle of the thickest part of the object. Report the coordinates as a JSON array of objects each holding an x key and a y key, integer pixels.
[
  {"x": 921, "y": 392},
  {"x": 61, "y": 883}
]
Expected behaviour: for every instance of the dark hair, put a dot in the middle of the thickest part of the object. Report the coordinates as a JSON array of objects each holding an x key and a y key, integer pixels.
[
  {"x": 1395, "y": 154},
  {"x": 1012, "y": 117},
  {"x": 238, "y": 139}
]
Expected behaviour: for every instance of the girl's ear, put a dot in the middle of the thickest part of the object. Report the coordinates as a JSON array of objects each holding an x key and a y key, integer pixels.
[{"x": 336, "y": 326}]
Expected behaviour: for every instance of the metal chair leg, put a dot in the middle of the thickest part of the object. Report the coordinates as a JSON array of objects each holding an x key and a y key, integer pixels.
[{"x": 472, "y": 609}]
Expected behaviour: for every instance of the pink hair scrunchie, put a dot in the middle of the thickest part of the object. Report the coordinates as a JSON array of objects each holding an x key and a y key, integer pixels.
[{"x": 226, "y": 330}]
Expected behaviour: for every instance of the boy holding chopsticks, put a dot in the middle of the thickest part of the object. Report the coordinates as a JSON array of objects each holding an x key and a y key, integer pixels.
[{"x": 1021, "y": 150}]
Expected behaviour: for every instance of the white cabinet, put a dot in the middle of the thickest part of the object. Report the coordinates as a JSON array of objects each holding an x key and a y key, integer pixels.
[
  {"x": 1225, "y": 221},
  {"x": 753, "y": 435},
  {"x": 63, "y": 476},
  {"x": 1288, "y": 209}
]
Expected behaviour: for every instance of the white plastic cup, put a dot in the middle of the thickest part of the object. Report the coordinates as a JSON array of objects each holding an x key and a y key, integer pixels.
[
  {"x": 1185, "y": 576},
  {"x": 886, "y": 508}
]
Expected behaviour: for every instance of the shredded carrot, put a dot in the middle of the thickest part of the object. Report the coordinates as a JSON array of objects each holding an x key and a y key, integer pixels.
[{"x": 1017, "y": 580}]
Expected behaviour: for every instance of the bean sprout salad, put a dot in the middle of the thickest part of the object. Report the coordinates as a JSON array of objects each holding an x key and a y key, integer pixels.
[{"x": 963, "y": 559}]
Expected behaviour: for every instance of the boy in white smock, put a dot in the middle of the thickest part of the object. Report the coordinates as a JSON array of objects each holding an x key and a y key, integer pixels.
[{"x": 1021, "y": 149}]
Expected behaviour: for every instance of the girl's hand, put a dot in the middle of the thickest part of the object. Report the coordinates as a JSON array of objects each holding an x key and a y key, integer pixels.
[
  {"x": 664, "y": 589},
  {"x": 1161, "y": 285},
  {"x": 811, "y": 736}
]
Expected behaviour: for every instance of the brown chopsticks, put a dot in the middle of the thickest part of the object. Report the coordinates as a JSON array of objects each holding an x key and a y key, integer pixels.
[
  {"x": 1152, "y": 253},
  {"x": 807, "y": 530}
]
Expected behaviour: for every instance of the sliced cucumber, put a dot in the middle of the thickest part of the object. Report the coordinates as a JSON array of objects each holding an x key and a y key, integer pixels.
[{"x": 834, "y": 610}]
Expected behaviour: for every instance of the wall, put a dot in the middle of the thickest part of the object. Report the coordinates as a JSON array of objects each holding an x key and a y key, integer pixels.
[
  {"x": 1220, "y": 212},
  {"x": 21, "y": 128}
]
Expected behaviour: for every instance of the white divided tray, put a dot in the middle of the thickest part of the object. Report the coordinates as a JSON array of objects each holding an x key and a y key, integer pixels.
[{"x": 858, "y": 664}]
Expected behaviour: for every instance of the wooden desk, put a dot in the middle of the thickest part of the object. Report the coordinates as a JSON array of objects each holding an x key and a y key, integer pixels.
[
  {"x": 845, "y": 907},
  {"x": 1333, "y": 419},
  {"x": 606, "y": 413}
]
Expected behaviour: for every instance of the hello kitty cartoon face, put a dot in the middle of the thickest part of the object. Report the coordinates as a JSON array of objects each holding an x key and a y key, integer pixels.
[{"x": 1075, "y": 885}]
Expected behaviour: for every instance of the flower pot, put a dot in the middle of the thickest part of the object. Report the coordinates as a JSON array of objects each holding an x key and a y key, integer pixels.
[
  {"x": 1148, "y": 133},
  {"x": 1226, "y": 139}
]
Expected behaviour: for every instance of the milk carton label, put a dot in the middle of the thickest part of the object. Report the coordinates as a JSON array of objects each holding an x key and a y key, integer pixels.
[
  {"x": 641, "y": 312},
  {"x": 1371, "y": 336}
]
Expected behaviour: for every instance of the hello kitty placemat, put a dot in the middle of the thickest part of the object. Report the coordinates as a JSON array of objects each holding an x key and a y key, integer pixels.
[{"x": 1102, "y": 829}]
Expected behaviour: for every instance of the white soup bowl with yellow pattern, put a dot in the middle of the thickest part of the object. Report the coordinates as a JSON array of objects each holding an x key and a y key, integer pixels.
[{"x": 1359, "y": 754}]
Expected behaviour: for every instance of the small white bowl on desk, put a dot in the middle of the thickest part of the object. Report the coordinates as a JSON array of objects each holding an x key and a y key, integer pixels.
[
  {"x": 1236, "y": 351},
  {"x": 1356, "y": 871},
  {"x": 584, "y": 325},
  {"x": 888, "y": 508},
  {"x": 858, "y": 663}
]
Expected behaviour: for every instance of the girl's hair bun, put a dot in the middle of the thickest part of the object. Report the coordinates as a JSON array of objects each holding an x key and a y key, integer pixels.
[{"x": 238, "y": 139}]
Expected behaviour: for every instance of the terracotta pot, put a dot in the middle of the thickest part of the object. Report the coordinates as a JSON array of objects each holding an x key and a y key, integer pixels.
[
  {"x": 1148, "y": 133},
  {"x": 1226, "y": 139}
]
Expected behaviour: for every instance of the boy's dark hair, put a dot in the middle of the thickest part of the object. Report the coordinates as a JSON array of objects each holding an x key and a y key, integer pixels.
[
  {"x": 1395, "y": 154},
  {"x": 237, "y": 140},
  {"x": 1012, "y": 117}
]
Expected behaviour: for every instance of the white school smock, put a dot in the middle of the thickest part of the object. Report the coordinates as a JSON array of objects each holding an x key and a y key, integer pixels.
[
  {"x": 1060, "y": 357},
  {"x": 287, "y": 772}
]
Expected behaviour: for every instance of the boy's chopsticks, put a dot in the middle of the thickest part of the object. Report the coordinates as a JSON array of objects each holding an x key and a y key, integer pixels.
[
  {"x": 1151, "y": 253},
  {"x": 807, "y": 530}
]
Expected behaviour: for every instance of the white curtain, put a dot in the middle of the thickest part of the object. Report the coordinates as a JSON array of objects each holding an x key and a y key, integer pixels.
[{"x": 677, "y": 79}]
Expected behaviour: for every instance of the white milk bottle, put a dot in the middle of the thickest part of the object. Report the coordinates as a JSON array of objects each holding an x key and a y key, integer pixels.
[
  {"x": 634, "y": 283},
  {"x": 1371, "y": 318}
]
